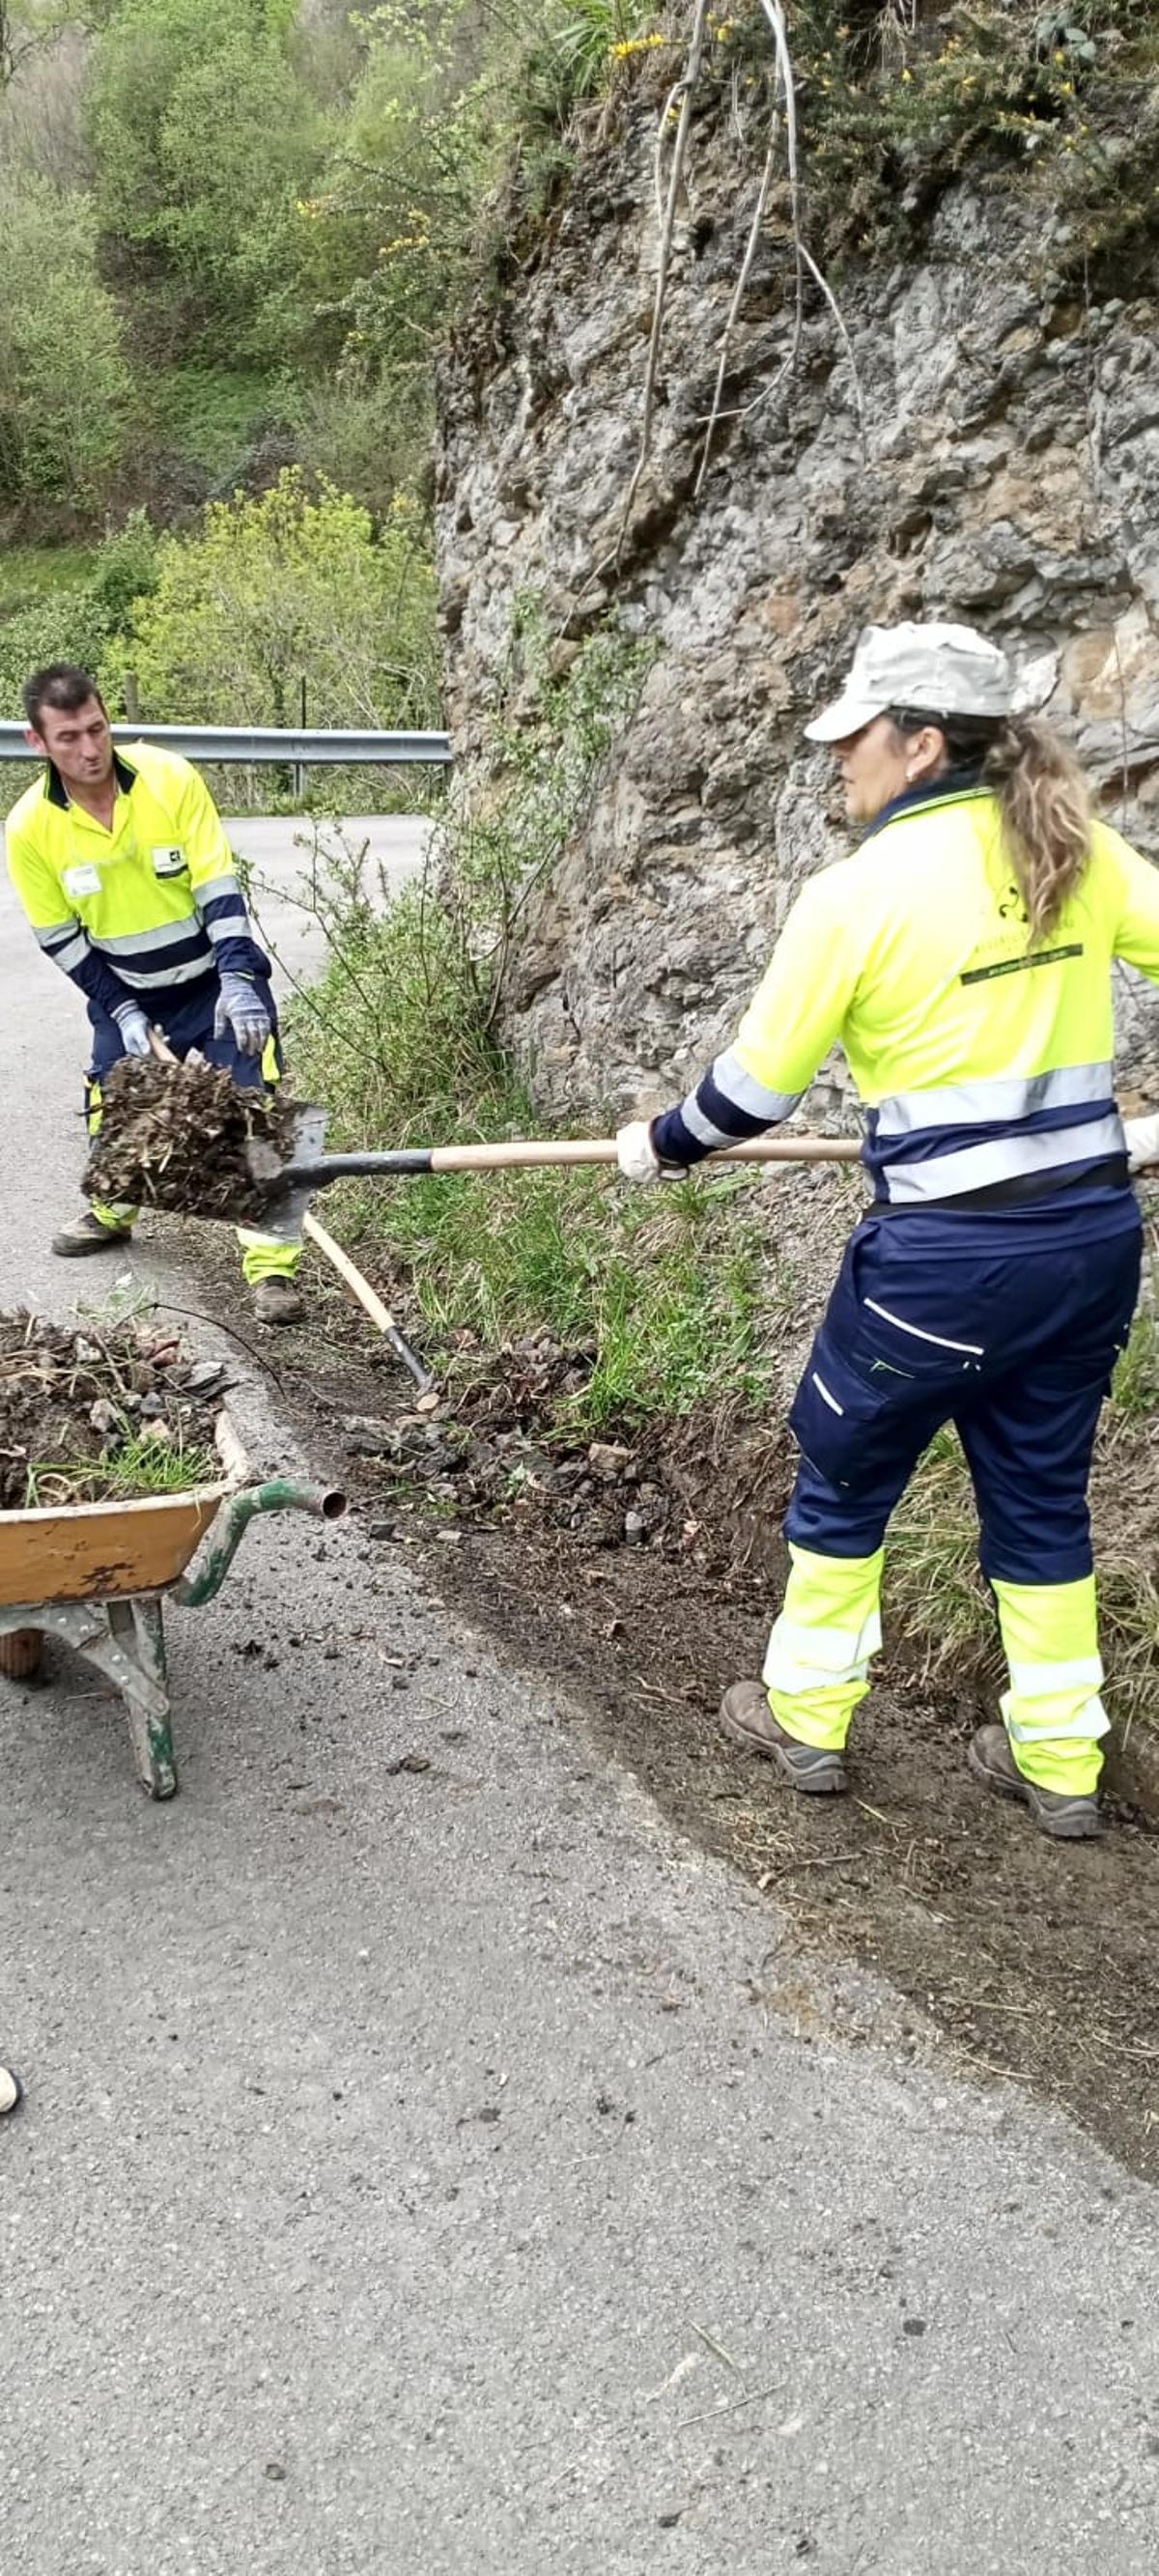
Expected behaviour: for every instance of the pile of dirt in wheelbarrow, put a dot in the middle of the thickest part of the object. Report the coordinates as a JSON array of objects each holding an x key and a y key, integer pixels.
[
  {"x": 183, "y": 1138},
  {"x": 104, "y": 1413}
]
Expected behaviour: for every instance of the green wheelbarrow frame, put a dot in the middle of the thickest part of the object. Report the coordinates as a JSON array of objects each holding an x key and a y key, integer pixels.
[{"x": 96, "y": 1575}]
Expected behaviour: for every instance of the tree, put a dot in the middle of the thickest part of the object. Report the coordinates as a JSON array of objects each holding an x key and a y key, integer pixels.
[
  {"x": 389, "y": 232},
  {"x": 205, "y": 135},
  {"x": 63, "y": 379},
  {"x": 291, "y": 586}
]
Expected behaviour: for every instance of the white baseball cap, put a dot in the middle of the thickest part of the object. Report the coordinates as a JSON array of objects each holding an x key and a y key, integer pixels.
[{"x": 943, "y": 670}]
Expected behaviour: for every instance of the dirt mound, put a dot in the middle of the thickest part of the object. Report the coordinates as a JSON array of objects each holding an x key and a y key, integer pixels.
[
  {"x": 503, "y": 1449},
  {"x": 103, "y": 1413},
  {"x": 182, "y": 1138}
]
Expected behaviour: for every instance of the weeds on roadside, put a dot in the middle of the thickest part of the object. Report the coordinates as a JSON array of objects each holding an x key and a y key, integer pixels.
[
  {"x": 401, "y": 1040},
  {"x": 400, "y": 1036},
  {"x": 672, "y": 1302}
]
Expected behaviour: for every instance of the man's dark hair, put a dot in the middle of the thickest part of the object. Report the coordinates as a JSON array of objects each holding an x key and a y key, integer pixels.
[{"x": 62, "y": 686}]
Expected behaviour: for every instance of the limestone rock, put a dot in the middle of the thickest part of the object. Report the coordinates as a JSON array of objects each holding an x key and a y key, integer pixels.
[{"x": 1010, "y": 476}]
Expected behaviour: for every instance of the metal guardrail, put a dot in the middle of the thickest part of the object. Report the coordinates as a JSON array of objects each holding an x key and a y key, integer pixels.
[{"x": 268, "y": 745}]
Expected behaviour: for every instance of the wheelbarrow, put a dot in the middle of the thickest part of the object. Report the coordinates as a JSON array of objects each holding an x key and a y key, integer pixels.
[{"x": 97, "y": 1574}]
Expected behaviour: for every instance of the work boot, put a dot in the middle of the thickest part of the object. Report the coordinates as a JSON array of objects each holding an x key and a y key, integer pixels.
[
  {"x": 1055, "y": 1812},
  {"x": 89, "y": 1233},
  {"x": 747, "y": 1719},
  {"x": 11, "y": 2090},
  {"x": 277, "y": 1300}
]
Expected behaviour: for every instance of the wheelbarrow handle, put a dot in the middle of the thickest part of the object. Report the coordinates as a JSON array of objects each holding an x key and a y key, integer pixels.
[{"x": 278, "y": 1494}]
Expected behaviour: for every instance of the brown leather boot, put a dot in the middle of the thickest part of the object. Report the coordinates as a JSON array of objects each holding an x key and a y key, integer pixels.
[
  {"x": 89, "y": 1233},
  {"x": 1054, "y": 1811},
  {"x": 277, "y": 1300},
  {"x": 747, "y": 1719}
]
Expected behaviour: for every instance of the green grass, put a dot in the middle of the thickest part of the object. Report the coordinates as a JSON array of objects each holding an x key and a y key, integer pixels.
[
  {"x": 668, "y": 1296},
  {"x": 669, "y": 1293},
  {"x": 139, "y": 1468},
  {"x": 209, "y": 415},
  {"x": 28, "y": 572}
]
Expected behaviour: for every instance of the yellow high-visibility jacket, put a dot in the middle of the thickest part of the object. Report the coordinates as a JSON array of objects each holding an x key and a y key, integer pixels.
[
  {"x": 982, "y": 1058},
  {"x": 152, "y": 904}
]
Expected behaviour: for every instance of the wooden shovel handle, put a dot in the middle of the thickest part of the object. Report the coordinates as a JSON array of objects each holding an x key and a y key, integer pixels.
[
  {"x": 160, "y": 1047},
  {"x": 522, "y": 1152},
  {"x": 371, "y": 1302},
  {"x": 530, "y": 1153}
]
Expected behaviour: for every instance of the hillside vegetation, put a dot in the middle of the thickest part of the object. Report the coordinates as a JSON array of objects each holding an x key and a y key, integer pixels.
[{"x": 238, "y": 232}]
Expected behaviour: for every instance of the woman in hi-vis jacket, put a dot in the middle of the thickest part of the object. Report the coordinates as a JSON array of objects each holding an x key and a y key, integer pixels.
[{"x": 963, "y": 957}]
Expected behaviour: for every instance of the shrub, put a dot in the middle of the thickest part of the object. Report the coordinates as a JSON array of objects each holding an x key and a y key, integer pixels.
[
  {"x": 63, "y": 379},
  {"x": 291, "y": 587}
]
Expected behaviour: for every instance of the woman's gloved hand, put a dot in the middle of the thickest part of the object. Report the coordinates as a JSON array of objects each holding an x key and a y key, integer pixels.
[
  {"x": 638, "y": 1158},
  {"x": 1142, "y": 1136}
]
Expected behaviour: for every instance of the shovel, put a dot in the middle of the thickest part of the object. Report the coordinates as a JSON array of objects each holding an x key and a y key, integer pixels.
[
  {"x": 361, "y": 1288},
  {"x": 290, "y": 1185}
]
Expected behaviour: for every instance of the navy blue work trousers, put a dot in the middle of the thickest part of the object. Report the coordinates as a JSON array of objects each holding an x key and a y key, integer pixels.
[
  {"x": 933, "y": 1322},
  {"x": 184, "y": 1013}
]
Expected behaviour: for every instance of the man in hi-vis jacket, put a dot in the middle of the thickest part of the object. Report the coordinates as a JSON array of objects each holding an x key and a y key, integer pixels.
[{"x": 121, "y": 863}]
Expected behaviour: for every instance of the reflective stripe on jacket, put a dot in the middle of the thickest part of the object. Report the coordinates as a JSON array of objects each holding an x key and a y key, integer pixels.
[
  {"x": 981, "y": 1056},
  {"x": 153, "y": 903}
]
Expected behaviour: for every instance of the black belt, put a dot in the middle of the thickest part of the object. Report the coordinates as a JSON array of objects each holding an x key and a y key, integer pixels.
[{"x": 1020, "y": 1191}]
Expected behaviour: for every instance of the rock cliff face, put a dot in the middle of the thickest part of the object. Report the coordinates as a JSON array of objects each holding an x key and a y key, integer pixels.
[{"x": 1005, "y": 470}]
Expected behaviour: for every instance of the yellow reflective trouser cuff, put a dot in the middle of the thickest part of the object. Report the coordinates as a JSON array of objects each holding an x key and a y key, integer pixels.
[
  {"x": 111, "y": 1212},
  {"x": 106, "y": 1211},
  {"x": 817, "y": 1666},
  {"x": 1053, "y": 1713},
  {"x": 263, "y": 1258}
]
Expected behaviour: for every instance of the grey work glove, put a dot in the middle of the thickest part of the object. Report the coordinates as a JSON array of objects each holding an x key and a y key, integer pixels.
[
  {"x": 241, "y": 1015},
  {"x": 134, "y": 1028}
]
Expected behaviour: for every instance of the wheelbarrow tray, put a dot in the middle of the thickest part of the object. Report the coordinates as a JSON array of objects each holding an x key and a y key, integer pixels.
[{"x": 89, "y": 1551}]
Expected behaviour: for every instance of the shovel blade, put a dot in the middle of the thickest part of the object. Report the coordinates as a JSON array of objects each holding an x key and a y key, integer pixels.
[{"x": 283, "y": 1224}]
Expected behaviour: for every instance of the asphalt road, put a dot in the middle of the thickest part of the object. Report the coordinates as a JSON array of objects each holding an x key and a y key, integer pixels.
[
  {"x": 452, "y": 2169},
  {"x": 288, "y": 858}
]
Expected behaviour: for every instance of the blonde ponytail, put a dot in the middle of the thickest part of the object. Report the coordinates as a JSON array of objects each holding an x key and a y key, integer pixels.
[{"x": 1046, "y": 816}]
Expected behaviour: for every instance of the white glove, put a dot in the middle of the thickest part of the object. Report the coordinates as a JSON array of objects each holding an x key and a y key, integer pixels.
[
  {"x": 636, "y": 1154},
  {"x": 134, "y": 1028},
  {"x": 241, "y": 1015},
  {"x": 1142, "y": 1136},
  {"x": 638, "y": 1158}
]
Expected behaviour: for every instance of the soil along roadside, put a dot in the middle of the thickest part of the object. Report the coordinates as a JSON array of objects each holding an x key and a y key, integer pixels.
[
  {"x": 107, "y": 1412},
  {"x": 181, "y": 1138},
  {"x": 641, "y": 1567}
]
